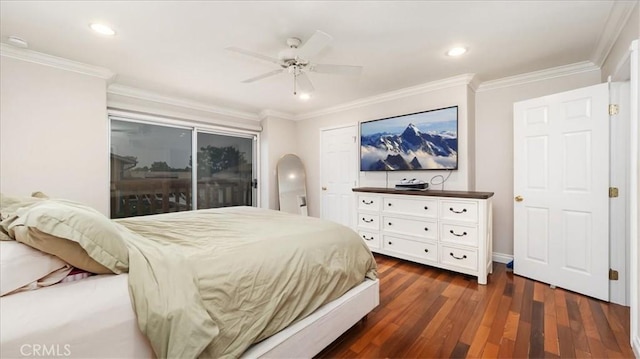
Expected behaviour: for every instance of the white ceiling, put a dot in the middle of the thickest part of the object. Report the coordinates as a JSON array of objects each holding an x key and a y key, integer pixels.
[{"x": 177, "y": 48}]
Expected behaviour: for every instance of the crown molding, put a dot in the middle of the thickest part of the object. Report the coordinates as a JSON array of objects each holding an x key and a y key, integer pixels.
[
  {"x": 465, "y": 79},
  {"x": 56, "y": 62},
  {"x": 474, "y": 83},
  {"x": 273, "y": 113},
  {"x": 546, "y": 74},
  {"x": 136, "y": 93},
  {"x": 617, "y": 19}
]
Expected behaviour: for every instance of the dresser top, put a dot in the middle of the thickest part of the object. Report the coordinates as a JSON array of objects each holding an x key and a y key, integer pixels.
[{"x": 428, "y": 192}]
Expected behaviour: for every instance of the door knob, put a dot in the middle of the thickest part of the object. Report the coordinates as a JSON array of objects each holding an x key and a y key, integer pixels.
[
  {"x": 324, "y": 188},
  {"x": 519, "y": 199}
]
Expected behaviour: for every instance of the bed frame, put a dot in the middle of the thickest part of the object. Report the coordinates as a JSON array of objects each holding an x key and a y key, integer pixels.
[
  {"x": 309, "y": 336},
  {"x": 303, "y": 339}
]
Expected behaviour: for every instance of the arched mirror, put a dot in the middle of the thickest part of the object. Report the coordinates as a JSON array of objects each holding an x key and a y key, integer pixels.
[{"x": 292, "y": 185}]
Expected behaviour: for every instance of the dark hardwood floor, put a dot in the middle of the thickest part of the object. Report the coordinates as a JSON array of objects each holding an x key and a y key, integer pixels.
[{"x": 426, "y": 312}]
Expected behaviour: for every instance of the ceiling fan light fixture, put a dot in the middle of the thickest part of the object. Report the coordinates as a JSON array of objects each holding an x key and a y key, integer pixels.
[
  {"x": 456, "y": 51},
  {"x": 296, "y": 61},
  {"x": 102, "y": 29}
]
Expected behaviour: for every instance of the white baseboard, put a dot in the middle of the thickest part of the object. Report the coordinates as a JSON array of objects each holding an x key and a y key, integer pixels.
[
  {"x": 502, "y": 257},
  {"x": 635, "y": 345}
]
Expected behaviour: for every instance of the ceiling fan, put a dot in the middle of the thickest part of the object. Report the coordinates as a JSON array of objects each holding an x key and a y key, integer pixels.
[{"x": 296, "y": 60}]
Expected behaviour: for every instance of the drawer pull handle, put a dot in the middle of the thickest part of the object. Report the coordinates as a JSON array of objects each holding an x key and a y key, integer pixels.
[
  {"x": 463, "y": 256},
  {"x": 390, "y": 223},
  {"x": 367, "y": 221},
  {"x": 368, "y": 239},
  {"x": 389, "y": 204},
  {"x": 458, "y": 235},
  {"x": 390, "y": 242},
  {"x": 367, "y": 202},
  {"x": 426, "y": 208},
  {"x": 458, "y": 212},
  {"x": 426, "y": 229},
  {"x": 426, "y": 250}
]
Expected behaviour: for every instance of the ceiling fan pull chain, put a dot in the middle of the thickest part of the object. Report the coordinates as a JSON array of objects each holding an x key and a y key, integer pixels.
[{"x": 295, "y": 75}]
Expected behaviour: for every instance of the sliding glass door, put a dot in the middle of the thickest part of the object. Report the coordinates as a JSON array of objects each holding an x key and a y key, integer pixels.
[
  {"x": 225, "y": 170},
  {"x": 155, "y": 168},
  {"x": 150, "y": 169}
]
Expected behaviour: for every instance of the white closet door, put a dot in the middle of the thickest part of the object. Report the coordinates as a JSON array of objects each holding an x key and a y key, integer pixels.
[
  {"x": 338, "y": 172},
  {"x": 561, "y": 180}
]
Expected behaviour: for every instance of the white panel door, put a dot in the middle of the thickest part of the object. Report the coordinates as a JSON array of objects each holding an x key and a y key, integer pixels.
[
  {"x": 339, "y": 158},
  {"x": 561, "y": 180}
]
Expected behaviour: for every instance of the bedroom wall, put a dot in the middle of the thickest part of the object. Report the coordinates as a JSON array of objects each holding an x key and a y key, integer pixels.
[
  {"x": 53, "y": 133},
  {"x": 197, "y": 113},
  {"x": 278, "y": 138},
  {"x": 471, "y": 138},
  {"x": 494, "y": 144},
  {"x": 440, "y": 96}
]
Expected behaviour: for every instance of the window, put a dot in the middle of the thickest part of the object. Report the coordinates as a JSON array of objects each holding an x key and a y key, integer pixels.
[{"x": 153, "y": 168}]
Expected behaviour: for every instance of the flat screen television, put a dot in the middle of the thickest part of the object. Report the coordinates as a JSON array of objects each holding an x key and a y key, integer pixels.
[{"x": 425, "y": 140}]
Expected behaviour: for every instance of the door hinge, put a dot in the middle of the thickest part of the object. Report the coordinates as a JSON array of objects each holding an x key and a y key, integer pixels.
[
  {"x": 613, "y": 109},
  {"x": 613, "y": 274},
  {"x": 613, "y": 192}
]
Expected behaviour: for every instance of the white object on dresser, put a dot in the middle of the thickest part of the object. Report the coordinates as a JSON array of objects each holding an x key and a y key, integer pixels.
[{"x": 445, "y": 229}]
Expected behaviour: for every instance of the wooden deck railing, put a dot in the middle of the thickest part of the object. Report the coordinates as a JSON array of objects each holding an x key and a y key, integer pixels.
[{"x": 137, "y": 197}]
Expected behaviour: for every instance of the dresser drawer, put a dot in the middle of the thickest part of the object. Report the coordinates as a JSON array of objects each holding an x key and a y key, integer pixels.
[
  {"x": 458, "y": 257},
  {"x": 466, "y": 211},
  {"x": 369, "y": 203},
  {"x": 371, "y": 238},
  {"x": 411, "y": 206},
  {"x": 417, "y": 249},
  {"x": 459, "y": 234},
  {"x": 368, "y": 221},
  {"x": 418, "y": 228}
]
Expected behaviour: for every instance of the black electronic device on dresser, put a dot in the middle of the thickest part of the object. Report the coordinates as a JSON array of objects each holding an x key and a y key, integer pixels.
[{"x": 412, "y": 184}]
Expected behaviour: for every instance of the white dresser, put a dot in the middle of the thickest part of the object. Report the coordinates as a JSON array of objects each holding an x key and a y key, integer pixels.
[{"x": 445, "y": 229}]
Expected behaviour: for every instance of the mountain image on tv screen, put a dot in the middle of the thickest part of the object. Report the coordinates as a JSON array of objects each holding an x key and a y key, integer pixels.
[{"x": 420, "y": 141}]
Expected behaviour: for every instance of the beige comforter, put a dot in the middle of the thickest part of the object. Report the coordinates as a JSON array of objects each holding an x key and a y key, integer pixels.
[{"x": 210, "y": 283}]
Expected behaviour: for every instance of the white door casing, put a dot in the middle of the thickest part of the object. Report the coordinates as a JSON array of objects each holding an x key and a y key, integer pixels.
[
  {"x": 338, "y": 173},
  {"x": 561, "y": 177},
  {"x": 634, "y": 203},
  {"x": 619, "y": 206}
]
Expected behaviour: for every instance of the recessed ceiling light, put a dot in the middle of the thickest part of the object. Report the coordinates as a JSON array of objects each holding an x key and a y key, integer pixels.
[
  {"x": 102, "y": 29},
  {"x": 456, "y": 51},
  {"x": 305, "y": 96},
  {"x": 17, "y": 42}
]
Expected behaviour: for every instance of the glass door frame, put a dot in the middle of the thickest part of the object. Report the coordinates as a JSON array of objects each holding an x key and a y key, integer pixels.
[
  {"x": 195, "y": 127},
  {"x": 255, "y": 168}
]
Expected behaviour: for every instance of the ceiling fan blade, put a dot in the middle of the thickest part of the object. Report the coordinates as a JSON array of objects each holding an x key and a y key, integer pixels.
[
  {"x": 260, "y": 77},
  {"x": 254, "y": 54},
  {"x": 304, "y": 84},
  {"x": 314, "y": 45},
  {"x": 336, "y": 69}
]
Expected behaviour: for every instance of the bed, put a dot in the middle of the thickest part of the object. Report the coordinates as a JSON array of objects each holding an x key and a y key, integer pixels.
[{"x": 219, "y": 289}]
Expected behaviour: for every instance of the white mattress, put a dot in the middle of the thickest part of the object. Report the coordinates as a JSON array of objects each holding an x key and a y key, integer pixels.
[{"x": 89, "y": 318}]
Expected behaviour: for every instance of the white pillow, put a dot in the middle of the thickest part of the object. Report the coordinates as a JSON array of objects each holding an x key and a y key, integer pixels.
[{"x": 21, "y": 265}]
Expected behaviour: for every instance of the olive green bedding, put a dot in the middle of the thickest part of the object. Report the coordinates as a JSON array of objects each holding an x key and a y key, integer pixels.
[{"x": 210, "y": 283}]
